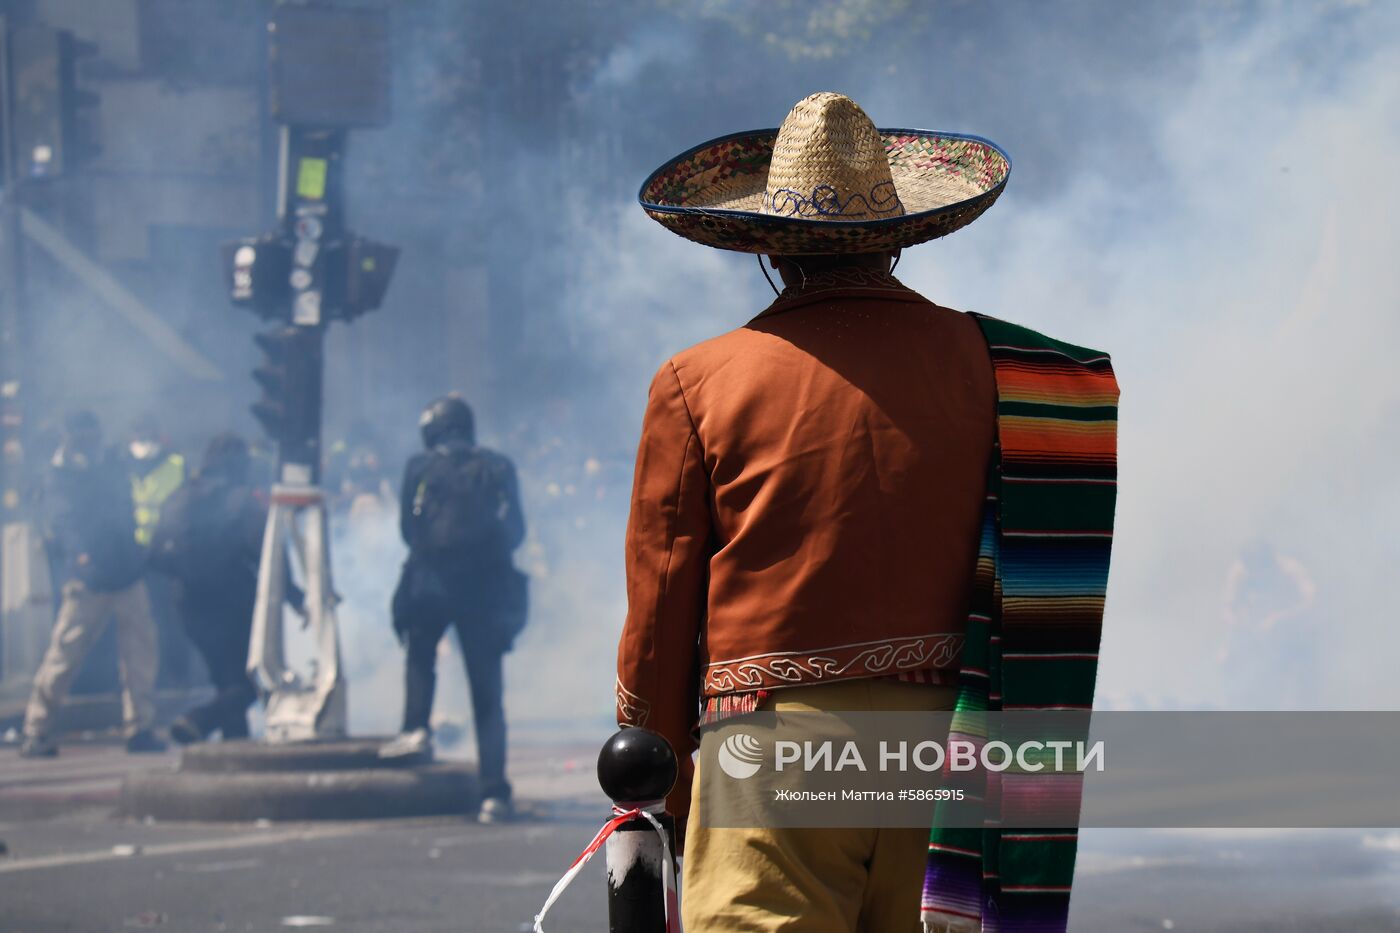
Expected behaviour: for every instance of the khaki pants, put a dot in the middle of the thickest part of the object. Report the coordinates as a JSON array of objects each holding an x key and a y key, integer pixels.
[
  {"x": 766, "y": 880},
  {"x": 81, "y": 620}
]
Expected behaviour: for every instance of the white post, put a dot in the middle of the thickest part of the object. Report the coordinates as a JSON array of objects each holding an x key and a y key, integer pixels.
[{"x": 297, "y": 711}]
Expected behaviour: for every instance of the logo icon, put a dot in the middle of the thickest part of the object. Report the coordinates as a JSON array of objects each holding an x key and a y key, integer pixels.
[{"x": 740, "y": 756}]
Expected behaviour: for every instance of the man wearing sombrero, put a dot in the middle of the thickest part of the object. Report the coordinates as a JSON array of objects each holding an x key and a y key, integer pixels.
[{"x": 861, "y": 500}]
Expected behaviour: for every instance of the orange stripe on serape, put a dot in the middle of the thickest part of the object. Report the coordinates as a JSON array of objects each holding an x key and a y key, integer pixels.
[
  {"x": 1053, "y": 607},
  {"x": 1021, "y": 435},
  {"x": 1076, "y": 388}
]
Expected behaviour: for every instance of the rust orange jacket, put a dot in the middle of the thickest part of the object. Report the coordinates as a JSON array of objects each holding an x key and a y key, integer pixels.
[{"x": 806, "y": 502}]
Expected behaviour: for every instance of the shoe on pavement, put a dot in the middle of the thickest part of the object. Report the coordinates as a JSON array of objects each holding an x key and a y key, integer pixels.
[
  {"x": 144, "y": 741},
  {"x": 495, "y": 810},
  {"x": 185, "y": 731},
  {"x": 408, "y": 745},
  {"x": 38, "y": 746}
]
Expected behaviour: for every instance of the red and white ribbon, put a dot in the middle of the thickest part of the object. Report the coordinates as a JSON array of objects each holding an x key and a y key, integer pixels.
[{"x": 668, "y": 868}]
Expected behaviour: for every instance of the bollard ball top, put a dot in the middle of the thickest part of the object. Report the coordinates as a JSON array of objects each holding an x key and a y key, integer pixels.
[{"x": 636, "y": 765}]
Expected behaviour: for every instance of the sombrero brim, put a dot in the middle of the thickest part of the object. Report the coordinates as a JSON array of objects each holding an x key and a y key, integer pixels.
[{"x": 712, "y": 194}]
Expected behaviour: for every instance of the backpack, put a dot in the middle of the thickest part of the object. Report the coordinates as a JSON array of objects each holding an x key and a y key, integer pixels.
[
  {"x": 196, "y": 539},
  {"x": 460, "y": 503}
]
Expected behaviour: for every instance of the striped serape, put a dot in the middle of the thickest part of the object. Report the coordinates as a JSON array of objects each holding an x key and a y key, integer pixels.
[{"x": 1033, "y": 628}]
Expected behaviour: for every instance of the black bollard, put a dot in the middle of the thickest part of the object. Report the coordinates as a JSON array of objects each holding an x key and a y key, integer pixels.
[{"x": 637, "y": 769}]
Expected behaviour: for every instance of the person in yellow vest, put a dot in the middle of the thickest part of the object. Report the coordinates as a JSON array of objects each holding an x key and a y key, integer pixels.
[{"x": 156, "y": 472}]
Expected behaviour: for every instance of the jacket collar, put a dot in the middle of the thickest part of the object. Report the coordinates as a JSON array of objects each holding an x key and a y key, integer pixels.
[{"x": 840, "y": 283}]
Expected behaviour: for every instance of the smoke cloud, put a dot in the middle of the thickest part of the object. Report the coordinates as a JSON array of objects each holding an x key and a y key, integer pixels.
[{"x": 1199, "y": 190}]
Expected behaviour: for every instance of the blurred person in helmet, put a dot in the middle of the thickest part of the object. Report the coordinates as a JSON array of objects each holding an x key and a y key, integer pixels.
[
  {"x": 209, "y": 540},
  {"x": 461, "y": 519},
  {"x": 92, "y": 539}
]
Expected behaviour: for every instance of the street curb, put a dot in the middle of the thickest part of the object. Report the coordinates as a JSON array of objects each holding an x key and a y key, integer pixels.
[
  {"x": 241, "y": 756},
  {"x": 378, "y": 793}
]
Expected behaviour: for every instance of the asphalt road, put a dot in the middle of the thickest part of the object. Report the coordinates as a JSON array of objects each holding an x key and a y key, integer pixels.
[
  {"x": 433, "y": 875},
  {"x": 72, "y": 866}
]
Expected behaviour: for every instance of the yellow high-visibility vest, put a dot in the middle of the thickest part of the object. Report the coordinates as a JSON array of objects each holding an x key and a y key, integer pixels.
[{"x": 149, "y": 492}]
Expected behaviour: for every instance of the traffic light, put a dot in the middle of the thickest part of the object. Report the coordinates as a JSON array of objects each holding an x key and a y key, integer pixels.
[
  {"x": 53, "y": 119},
  {"x": 289, "y": 409},
  {"x": 368, "y": 268},
  {"x": 257, "y": 272}
]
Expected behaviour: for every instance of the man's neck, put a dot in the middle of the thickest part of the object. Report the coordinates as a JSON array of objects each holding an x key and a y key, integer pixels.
[{"x": 795, "y": 270}]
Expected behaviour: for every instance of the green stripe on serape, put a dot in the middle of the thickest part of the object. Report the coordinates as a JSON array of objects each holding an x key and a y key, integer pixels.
[
  {"x": 1005, "y": 333},
  {"x": 1038, "y": 860},
  {"x": 1063, "y": 412},
  {"x": 1064, "y": 506},
  {"x": 1049, "y": 682}
]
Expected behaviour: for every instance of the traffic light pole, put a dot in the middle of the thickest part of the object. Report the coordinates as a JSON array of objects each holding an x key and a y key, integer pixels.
[
  {"x": 310, "y": 214},
  {"x": 26, "y": 595},
  {"x": 328, "y": 72},
  {"x": 13, "y": 385}
]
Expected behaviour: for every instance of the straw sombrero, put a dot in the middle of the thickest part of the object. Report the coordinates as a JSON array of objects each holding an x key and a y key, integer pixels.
[{"x": 827, "y": 181}]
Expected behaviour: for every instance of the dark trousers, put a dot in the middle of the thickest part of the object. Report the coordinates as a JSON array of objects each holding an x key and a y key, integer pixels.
[
  {"x": 484, "y": 678},
  {"x": 220, "y": 628},
  {"x": 178, "y": 667}
]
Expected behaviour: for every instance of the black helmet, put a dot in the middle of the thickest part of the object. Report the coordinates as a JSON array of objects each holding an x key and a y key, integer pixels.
[
  {"x": 226, "y": 455},
  {"x": 447, "y": 417}
]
